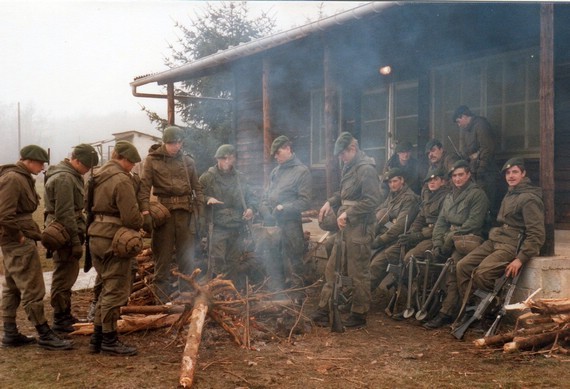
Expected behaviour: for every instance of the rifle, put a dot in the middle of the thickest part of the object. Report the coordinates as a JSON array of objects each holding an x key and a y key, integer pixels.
[
  {"x": 88, "y": 220},
  {"x": 49, "y": 253},
  {"x": 336, "y": 322},
  {"x": 487, "y": 298},
  {"x": 512, "y": 286},
  {"x": 390, "y": 309},
  {"x": 461, "y": 156}
]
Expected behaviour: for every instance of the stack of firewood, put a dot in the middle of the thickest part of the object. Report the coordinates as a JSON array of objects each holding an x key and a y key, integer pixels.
[{"x": 546, "y": 328}]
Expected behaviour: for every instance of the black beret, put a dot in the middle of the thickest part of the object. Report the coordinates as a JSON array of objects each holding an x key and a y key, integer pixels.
[
  {"x": 515, "y": 161},
  {"x": 34, "y": 153}
]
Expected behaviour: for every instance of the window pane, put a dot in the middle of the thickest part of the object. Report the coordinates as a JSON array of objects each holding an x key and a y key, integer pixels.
[
  {"x": 471, "y": 86},
  {"x": 533, "y": 125},
  {"x": 495, "y": 83},
  {"x": 373, "y": 135},
  {"x": 515, "y": 72}
]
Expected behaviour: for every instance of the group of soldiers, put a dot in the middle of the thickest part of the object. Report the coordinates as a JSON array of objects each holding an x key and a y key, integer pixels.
[{"x": 377, "y": 218}]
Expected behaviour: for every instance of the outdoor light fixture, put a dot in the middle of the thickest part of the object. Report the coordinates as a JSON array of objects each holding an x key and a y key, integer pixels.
[{"x": 385, "y": 70}]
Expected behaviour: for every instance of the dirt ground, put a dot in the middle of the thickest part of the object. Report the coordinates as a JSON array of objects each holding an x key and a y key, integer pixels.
[{"x": 385, "y": 354}]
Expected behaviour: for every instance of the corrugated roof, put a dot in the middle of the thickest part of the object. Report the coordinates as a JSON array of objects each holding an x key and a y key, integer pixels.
[{"x": 262, "y": 44}]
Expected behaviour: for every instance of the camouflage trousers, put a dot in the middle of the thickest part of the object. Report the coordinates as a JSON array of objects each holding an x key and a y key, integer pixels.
[{"x": 65, "y": 272}]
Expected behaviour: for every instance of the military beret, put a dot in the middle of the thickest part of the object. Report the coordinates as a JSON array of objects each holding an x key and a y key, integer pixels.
[
  {"x": 515, "y": 161},
  {"x": 225, "y": 150},
  {"x": 433, "y": 173},
  {"x": 172, "y": 134},
  {"x": 394, "y": 172},
  {"x": 86, "y": 154},
  {"x": 279, "y": 142},
  {"x": 34, "y": 153},
  {"x": 432, "y": 143},
  {"x": 403, "y": 147},
  {"x": 460, "y": 111},
  {"x": 128, "y": 151},
  {"x": 342, "y": 142},
  {"x": 461, "y": 163}
]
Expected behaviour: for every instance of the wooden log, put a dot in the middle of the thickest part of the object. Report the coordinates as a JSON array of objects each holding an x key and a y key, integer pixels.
[
  {"x": 529, "y": 342},
  {"x": 190, "y": 355},
  {"x": 131, "y": 324},
  {"x": 151, "y": 309},
  {"x": 509, "y": 336},
  {"x": 550, "y": 306},
  {"x": 562, "y": 318}
]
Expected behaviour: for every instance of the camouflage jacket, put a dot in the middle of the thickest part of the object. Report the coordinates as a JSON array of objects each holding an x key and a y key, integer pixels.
[
  {"x": 64, "y": 199},
  {"x": 398, "y": 208},
  {"x": 430, "y": 208},
  {"x": 18, "y": 201},
  {"x": 522, "y": 210},
  {"x": 478, "y": 145}
]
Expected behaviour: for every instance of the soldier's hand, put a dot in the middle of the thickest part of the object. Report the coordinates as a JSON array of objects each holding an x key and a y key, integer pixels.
[
  {"x": 513, "y": 268},
  {"x": 324, "y": 211},
  {"x": 76, "y": 251},
  {"x": 248, "y": 214},
  {"x": 437, "y": 253},
  {"x": 213, "y": 200},
  {"x": 404, "y": 239},
  {"x": 147, "y": 223}
]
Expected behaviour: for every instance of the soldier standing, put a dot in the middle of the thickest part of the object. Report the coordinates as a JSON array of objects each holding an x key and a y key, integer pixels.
[
  {"x": 64, "y": 201},
  {"x": 173, "y": 178},
  {"x": 114, "y": 206},
  {"x": 289, "y": 193},
  {"x": 232, "y": 204},
  {"x": 356, "y": 201},
  {"x": 458, "y": 230},
  {"x": 399, "y": 208},
  {"x": 23, "y": 278},
  {"x": 521, "y": 213}
]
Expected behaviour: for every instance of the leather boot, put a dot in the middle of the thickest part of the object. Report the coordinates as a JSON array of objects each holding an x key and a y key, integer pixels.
[
  {"x": 321, "y": 318},
  {"x": 49, "y": 339},
  {"x": 439, "y": 321},
  {"x": 113, "y": 346},
  {"x": 355, "y": 320},
  {"x": 96, "y": 340},
  {"x": 13, "y": 337},
  {"x": 63, "y": 321}
]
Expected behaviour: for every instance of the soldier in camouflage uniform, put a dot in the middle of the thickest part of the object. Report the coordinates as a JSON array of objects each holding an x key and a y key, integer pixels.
[
  {"x": 458, "y": 230},
  {"x": 23, "y": 280},
  {"x": 173, "y": 178},
  {"x": 64, "y": 201},
  {"x": 521, "y": 212},
  {"x": 114, "y": 206},
  {"x": 356, "y": 201},
  {"x": 289, "y": 193},
  {"x": 399, "y": 208},
  {"x": 225, "y": 191}
]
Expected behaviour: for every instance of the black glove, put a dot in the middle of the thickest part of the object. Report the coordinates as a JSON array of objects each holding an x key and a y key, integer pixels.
[
  {"x": 147, "y": 223},
  {"x": 410, "y": 239},
  {"x": 377, "y": 243},
  {"x": 76, "y": 251}
]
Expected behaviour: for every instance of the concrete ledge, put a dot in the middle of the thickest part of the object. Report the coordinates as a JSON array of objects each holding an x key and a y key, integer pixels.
[{"x": 552, "y": 274}]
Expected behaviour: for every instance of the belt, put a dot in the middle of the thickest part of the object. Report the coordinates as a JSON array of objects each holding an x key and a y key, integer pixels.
[
  {"x": 349, "y": 203},
  {"x": 107, "y": 219},
  {"x": 174, "y": 199},
  {"x": 78, "y": 212}
]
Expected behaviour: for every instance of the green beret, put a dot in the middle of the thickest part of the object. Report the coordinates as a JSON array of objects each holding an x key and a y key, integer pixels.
[
  {"x": 394, "y": 172},
  {"x": 127, "y": 150},
  {"x": 342, "y": 142},
  {"x": 431, "y": 143},
  {"x": 461, "y": 163},
  {"x": 279, "y": 142},
  {"x": 172, "y": 134},
  {"x": 437, "y": 172},
  {"x": 403, "y": 146},
  {"x": 85, "y": 154},
  {"x": 516, "y": 161},
  {"x": 225, "y": 150},
  {"x": 34, "y": 153}
]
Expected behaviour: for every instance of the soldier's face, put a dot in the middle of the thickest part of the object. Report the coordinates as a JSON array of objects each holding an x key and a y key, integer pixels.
[
  {"x": 463, "y": 121},
  {"x": 514, "y": 175},
  {"x": 172, "y": 148},
  {"x": 434, "y": 154},
  {"x": 395, "y": 184},
  {"x": 34, "y": 167},
  {"x": 435, "y": 183},
  {"x": 404, "y": 157},
  {"x": 460, "y": 177},
  {"x": 283, "y": 154},
  {"x": 347, "y": 154},
  {"x": 226, "y": 163}
]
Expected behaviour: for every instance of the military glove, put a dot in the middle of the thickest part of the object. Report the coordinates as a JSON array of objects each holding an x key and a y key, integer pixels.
[
  {"x": 76, "y": 251},
  {"x": 377, "y": 243},
  {"x": 147, "y": 223}
]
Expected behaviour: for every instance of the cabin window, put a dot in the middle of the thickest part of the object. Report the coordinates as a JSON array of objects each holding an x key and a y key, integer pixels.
[
  {"x": 318, "y": 144},
  {"x": 503, "y": 88}
]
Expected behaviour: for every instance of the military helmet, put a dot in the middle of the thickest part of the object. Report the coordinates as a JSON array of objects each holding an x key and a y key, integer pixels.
[
  {"x": 172, "y": 134},
  {"x": 225, "y": 150},
  {"x": 34, "y": 153}
]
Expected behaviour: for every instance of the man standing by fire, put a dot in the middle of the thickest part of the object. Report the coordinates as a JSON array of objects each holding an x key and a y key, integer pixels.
[
  {"x": 172, "y": 176},
  {"x": 289, "y": 193},
  {"x": 356, "y": 202}
]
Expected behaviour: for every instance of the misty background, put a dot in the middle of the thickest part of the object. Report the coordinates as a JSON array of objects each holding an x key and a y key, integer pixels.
[{"x": 68, "y": 65}]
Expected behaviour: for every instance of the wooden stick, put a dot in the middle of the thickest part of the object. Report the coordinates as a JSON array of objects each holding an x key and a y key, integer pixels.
[{"x": 190, "y": 354}]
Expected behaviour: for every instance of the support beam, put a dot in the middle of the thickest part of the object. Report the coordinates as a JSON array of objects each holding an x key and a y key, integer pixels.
[
  {"x": 266, "y": 106},
  {"x": 170, "y": 100},
  {"x": 330, "y": 108}
]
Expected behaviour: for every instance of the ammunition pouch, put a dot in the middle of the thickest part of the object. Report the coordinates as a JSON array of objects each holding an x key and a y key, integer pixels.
[
  {"x": 464, "y": 244},
  {"x": 127, "y": 243},
  {"x": 159, "y": 214},
  {"x": 55, "y": 236}
]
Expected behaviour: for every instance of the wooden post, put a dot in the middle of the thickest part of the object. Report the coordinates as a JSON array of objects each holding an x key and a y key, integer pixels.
[
  {"x": 547, "y": 121},
  {"x": 170, "y": 100},
  {"x": 266, "y": 106},
  {"x": 329, "y": 116}
]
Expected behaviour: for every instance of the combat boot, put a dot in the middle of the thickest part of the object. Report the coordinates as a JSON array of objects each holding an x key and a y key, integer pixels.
[
  {"x": 113, "y": 346},
  {"x": 96, "y": 340},
  {"x": 321, "y": 318},
  {"x": 13, "y": 337},
  {"x": 439, "y": 321},
  {"x": 49, "y": 339},
  {"x": 63, "y": 321},
  {"x": 355, "y": 320}
]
